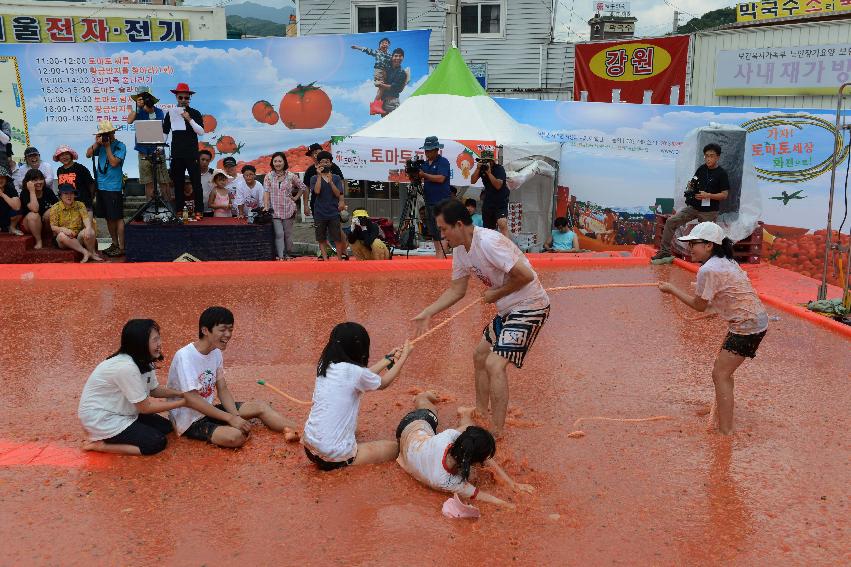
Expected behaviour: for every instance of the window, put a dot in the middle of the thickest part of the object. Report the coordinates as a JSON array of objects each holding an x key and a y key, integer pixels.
[
  {"x": 481, "y": 18},
  {"x": 375, "y": 17}
]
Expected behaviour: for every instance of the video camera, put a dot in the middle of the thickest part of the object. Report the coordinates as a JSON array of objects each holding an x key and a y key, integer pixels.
[
  {"x": 412, "y": 168},
  {"x": 693, "y": 188}
]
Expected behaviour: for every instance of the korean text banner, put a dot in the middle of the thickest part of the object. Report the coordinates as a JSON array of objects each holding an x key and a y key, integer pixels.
[
  {"x": 770, "y": 9},
  {"x": 257, "y": 96},
  {"x": 782, "y": 71},
  {"x": 626, "y": 70},
  {"x": 68, "y": 29},
  {"x": 623, "y": 156}
]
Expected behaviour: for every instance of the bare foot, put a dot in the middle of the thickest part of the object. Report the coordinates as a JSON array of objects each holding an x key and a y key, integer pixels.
[
  {"x": 97, "y": 258},
  {"x": 468, "y": 412},
  {"x": 428, "y": 395},
  {"x": 37, "y": 246},
  {"x": 93, "y": 445},
  {"x": 712, "y": 421},
  {"x": 86, "y": 257},
  {"x": 291, "y": 435}
]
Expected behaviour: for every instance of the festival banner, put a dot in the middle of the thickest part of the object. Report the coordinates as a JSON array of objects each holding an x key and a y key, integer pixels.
[
  {"x": 782, "y": 71},
  {"x": 257, "y": 96},
  {"x": 770, "y": 9},
  {"x": 385, "y": 158},
  {"x": 632, "y": 70},
  {"x": 71, "y": 29}
]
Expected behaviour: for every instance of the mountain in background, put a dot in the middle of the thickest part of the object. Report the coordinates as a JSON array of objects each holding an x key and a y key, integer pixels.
[
  {"x": 708, "y": 20},
  {"x": 238, "y": 26},
  {"x": 252, "y": 10}
]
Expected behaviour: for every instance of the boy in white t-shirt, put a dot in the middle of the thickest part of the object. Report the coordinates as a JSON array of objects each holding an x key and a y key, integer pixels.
[
  {"x": 197, "y": 370},
  {"x": 512, "y": 285},
  {"x": 444, "y": 461},
  {"x": 249, "y": 191}
]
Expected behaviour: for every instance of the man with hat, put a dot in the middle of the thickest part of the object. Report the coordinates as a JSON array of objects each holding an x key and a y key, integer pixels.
[
  {"x": 494, "y": 194},
  {"x": 109, "y": 174},
  {"x": 10, "y": 202},
  {"x": 146, "y": 110},
  {"x": 313, "y": 151},
  {"x": 184, "y": 123},
  {"x": 75, "y": 174},
  {"x": 32, "y": 160},
  {"x": 72, "y": 226},
  {"x": 435, "y": 174}
]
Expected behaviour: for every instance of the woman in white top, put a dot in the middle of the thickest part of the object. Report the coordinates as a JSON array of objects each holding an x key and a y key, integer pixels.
[
  {"x": 722, "y": 282},
  {"x": 117, "y": 408}
]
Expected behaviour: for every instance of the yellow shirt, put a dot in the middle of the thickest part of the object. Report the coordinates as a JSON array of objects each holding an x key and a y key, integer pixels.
[{"x": 68, "y": 217}]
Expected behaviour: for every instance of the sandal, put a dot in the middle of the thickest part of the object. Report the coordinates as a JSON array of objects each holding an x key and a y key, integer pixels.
[{"x": 344, "y": 257}]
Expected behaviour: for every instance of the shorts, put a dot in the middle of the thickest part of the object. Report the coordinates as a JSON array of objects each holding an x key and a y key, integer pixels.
[
  {"x": 146, "y": 171},
  {"x": 147, "y": 432},
  {"x": 203, "y": 429},
  {"x": 490, "y": 216},
  {"x": 417, "y": 415},
  {"x": 515, "y": 333},
  {"x": 379, "y": 74},
  {"x": 743, "y": 345},
  {"x": 324, "y": 465},
  {"x": 327, "y": 230},
  {"x": 431, "y": 230},
  {"x": 111, "y": 205}
]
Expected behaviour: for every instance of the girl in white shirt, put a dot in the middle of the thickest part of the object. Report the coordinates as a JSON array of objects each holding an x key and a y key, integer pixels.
[
  {"x": 722, "y": 282},
  {"x": 342, "y": 377}
]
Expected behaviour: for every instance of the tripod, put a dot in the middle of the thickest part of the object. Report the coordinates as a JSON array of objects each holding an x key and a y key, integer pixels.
[
  {"x": 157, "y": 210},
  {"x": 406, "y": 233}
]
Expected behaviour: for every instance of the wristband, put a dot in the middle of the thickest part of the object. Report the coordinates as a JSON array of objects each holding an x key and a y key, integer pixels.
[{"x": 390, "y": 360}]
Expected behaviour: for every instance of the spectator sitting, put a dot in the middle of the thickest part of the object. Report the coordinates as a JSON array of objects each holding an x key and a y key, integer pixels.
[
  {"x": 471, "y": 205},
  {"x": 70, "y": 222},
  {"x": 10, "y": 202},
  {"x": 364, "y": 238},
  {"x": 229, "y": 166},
  {"x": 283, "y": 190},
  {"x": 204, "y": 159},
  {"x": 249, "y": 193},
  {"x": 562, "y": 238},
  {"x": 73, "y": 173},
  {"x": 220, "y": 200},
  {"x": 32, "y": 160},
  {"x": 36, "y": 200},
  {"x": 188, "y": 190},
  {"x": 329, "y": 191}
]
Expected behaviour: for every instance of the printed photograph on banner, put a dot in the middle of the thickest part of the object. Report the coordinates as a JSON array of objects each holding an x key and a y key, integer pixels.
[
  {"x": 256, "y": 96},
  {"x": 12, "y": 105}
]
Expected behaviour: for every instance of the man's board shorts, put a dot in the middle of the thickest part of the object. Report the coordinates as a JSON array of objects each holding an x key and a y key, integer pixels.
[{"x": 511, "y": 336}]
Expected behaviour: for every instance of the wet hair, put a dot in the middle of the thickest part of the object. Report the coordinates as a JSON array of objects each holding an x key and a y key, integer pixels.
[
  {"x": 283, "y": 156},
  {"x": 712, "y": 148},
  {"x": 723, "y": 250},
  {"x": 560, "y": 222},
  {"x": 135, "y": 337},
  {"x": 349, "y": 342},
  {"x": 470, "y": 203},
  {"x": 213, "y": 316},
  {"x": 324, "y": 155},
  {"x": 474, "y": 446},
  {"x": 33, "y": 174},
  {"x": 208, "y": 152},
  {"x": 248, "y": 168},
  {"x": 398, "y": 50},
  {"x": 452, "y": 210}
]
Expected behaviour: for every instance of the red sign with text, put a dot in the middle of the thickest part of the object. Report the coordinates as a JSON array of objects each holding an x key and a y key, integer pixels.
[{"x": 637, "y": 71}]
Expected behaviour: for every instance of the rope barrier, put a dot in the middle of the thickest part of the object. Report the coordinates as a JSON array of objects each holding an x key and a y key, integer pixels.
[{"x": 579, "y": 433}]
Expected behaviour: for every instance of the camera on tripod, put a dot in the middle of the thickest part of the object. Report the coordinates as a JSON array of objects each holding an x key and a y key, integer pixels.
[{"x": 412, "y": 168}]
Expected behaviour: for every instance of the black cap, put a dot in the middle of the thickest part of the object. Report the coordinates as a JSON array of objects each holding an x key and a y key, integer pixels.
[
  {"x": 313, "y": 148},
  {"x": 67, "y": 188},
  {"x": 229, "y": 161}
]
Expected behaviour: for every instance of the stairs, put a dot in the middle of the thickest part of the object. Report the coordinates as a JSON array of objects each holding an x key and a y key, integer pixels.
[{"x": 19, "y": 250}]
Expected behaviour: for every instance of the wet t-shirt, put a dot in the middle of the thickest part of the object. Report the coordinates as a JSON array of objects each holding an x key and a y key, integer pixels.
[
  {"x": 726, "y": 286},
  {"x": 191, "y": 370},
  {"x": 423, "y": 455}
]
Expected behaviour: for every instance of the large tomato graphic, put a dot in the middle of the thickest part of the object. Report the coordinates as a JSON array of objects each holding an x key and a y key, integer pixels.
[
  {"x": 305, "y": 107},
  {"x": 210, "y": 123},
  {"x": 208, "y": 147},
  {"x": 227, "y": 145},
  {"x": 262, "y": 110}
]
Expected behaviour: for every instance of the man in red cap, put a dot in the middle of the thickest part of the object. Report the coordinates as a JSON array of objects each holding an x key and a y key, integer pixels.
[{"x": 184, "y": 123}]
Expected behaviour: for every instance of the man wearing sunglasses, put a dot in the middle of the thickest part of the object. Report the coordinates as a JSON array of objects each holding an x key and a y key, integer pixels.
[{"x": 184, "y": 123}]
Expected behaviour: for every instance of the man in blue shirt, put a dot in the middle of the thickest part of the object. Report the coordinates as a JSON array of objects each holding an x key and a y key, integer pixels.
[
  {"x": 146, "y": 110},
  {"x": 435, "y": 174},
  {"x": 109, "y": 174}
]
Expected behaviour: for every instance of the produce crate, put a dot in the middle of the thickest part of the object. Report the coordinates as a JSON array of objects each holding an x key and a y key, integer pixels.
[{"x": 747, "y": 251}]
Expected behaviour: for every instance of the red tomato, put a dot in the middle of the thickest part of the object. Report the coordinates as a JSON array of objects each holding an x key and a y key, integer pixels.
[{"x": 305, "y": 107}]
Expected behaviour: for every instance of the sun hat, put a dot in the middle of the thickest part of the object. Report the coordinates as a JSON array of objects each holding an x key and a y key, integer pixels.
[
  {"x": 144, "y": 90},
  {"x": 431, "y": 143},
  {"x": 182, "y": 88},
  {"x": 64, "y": 150},
  {"x": 708, "y": 231},
  {"x": 105, "y": 127}
]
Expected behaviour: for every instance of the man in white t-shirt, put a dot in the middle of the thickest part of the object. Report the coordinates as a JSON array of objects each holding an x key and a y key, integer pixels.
[
  {"x": 197, "y": 370},
  {"x": 513, "y": 286},
  {"x": 249, "y": 192}
]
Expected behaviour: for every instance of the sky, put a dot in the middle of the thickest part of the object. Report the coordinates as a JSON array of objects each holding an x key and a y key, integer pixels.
[{"x": 655, "y": 17}]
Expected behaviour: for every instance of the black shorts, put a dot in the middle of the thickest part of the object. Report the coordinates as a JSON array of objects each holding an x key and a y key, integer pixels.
[
  {"x": 417, "y": 415},
  {"x": 147, "y": 432},
  {"x": 324, "y": 465},
  {"x": 111, "y": 205},
  {"x": 490, "y": 216},
  {"x": 327, "y": 230},
  {"x": 203, "y": 429},
  {"x": 431, "y": 230},
  {"x": 512, "y": 336},
  {"x": 743, "y": 345}
]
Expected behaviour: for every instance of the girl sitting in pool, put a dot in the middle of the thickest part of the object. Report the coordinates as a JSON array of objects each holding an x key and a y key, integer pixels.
[
  {"x": 342, "y": 377},
  {"x": 721, "y": 281},
  {"x": 445, "y": 460}
]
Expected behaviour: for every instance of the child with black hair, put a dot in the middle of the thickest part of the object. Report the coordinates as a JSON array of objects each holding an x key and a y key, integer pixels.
[
  {"x": 197, "y": 371},
  {"x": 472, "y": 205},
  {"x": 722, "y": 282},
  {"x": 342, "y": 377},
  {"x": 445, "y": 460},
  {"x": 119, "y": 406},
  {"x": 382, "y": 65},
  {"x": 562, "y": 238}
]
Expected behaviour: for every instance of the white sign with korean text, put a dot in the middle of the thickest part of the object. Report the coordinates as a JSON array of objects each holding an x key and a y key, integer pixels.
[
  {"x": 611, "y": 7},
  {"x": 783, "y": 71}
]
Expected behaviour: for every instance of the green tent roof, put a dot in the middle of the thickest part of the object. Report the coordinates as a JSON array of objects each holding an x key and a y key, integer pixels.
[{"x": 451, "y": 77}]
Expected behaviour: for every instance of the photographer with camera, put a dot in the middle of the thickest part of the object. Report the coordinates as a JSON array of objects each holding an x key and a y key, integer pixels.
[
  {"x": 329, "y": 190},
  {"x": 184, "y": 123},
  {"x": 709, "y": 186},
  {"x": 109, "y": 174},
  {"x": 149, "y": 154},
  {"x": 434, "y": 173},
  {"x": 495, "y": 193},
  {"x": 364, "y": 238}
]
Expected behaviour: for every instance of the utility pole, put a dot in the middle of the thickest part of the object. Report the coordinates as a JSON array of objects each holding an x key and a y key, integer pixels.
[
  {"x": 451, "y": 32},
  {"x": 676, "y": 21}
]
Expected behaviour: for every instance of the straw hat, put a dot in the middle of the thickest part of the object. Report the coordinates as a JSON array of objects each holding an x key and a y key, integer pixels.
[
  {"x": 144, "y": 90},
  {"x": 62, "y": 150},
  {"x": 105, "y": 127}
]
